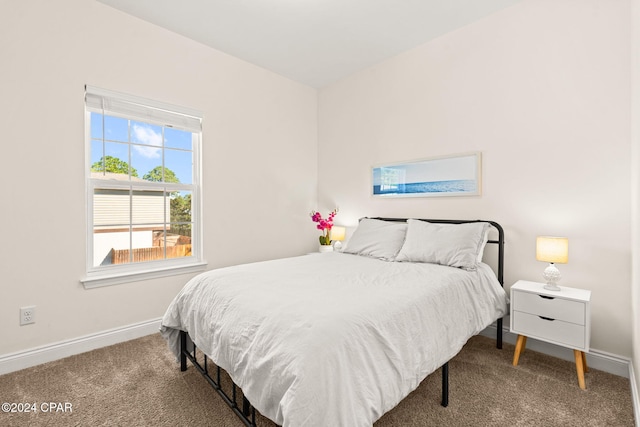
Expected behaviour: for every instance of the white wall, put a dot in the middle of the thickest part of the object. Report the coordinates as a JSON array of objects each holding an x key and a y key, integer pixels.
[
  {"x": 635, "y": 167},
  {"x": 259, "y": 160},
  {"x": 542, "y": 89}
]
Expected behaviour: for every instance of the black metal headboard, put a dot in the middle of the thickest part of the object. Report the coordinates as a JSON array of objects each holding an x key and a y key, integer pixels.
[{"x": 498, "y": 227}]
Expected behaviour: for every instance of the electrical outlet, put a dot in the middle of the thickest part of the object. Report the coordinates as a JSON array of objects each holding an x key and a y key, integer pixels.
[{"x": 27, "y": 315}]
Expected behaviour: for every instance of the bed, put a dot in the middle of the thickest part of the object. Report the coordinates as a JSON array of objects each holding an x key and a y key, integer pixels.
[{"x": 340, "y": 338}]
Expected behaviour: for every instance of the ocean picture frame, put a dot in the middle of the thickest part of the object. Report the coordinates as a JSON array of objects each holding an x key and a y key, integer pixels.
[{"x": 453, "y": 175}]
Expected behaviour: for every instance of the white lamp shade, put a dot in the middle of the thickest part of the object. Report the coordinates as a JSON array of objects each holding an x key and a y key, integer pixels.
[
  {"x": 338, "y": 233},
  {"x": 552, "y": 249}
]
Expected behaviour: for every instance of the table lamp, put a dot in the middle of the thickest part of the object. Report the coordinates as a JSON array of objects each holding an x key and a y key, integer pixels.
[
  {"x": 337, "y": 236},
  {"x": 552, "y": 250}
]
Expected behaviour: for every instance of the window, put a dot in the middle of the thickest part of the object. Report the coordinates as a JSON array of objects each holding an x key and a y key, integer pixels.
[{"x": 143, "y": 188}]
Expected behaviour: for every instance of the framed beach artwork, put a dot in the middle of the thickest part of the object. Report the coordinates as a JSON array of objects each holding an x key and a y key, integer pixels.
[{"x": 455, "y": 175}]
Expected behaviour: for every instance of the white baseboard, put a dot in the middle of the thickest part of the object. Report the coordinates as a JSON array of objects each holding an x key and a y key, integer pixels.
[
  {"x": 48, "y": 353},
  {"x": 596, "y": 359}
]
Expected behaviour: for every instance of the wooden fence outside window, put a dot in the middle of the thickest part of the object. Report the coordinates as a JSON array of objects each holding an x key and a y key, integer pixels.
[{"x": 121, "y": 256}]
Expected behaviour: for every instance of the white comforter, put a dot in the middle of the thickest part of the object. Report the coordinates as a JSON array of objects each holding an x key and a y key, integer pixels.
[{"x": 332, "y": 339}]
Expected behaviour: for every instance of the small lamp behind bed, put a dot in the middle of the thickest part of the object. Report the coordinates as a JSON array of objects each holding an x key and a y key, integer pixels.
[
  {"x": 337, "y": 236},
  {"x": 552, "y": 250}
]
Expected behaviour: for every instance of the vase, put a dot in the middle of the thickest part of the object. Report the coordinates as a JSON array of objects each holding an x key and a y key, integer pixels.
[{"x": 325, "y": 248}]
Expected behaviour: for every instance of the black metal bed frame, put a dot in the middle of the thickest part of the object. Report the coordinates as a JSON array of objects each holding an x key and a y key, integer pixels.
[{"x": 247, "y": 412}]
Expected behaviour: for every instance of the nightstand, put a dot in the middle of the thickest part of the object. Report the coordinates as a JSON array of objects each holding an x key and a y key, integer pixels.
[{"x": 558, "y": 317}]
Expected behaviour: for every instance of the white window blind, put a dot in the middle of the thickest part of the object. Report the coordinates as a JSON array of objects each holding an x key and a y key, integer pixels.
[{"x": 122, "y": 105}]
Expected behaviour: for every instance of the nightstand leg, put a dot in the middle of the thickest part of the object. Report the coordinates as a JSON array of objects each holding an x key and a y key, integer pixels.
[
  {"x": 580, "y": 359},
  {"x": 584, "y": 361},
  {"x": 521, "y": 343}
]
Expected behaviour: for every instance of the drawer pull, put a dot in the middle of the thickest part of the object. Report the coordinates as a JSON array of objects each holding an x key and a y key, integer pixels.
[
  {"x": 546, "y": 318},
  {"x": 546, "y": 297}
]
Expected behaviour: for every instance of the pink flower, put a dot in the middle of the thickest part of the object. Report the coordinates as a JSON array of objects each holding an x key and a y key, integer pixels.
[{"x": 323, "y": 224}]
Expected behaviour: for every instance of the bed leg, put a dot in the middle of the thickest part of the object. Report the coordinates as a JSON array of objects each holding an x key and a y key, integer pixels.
[
  {"x": 246, "y": 407},
  {"x": 499, "y": 334},
  {"x": 445, "y": 384},
  {"x": 183, "y": 350}
]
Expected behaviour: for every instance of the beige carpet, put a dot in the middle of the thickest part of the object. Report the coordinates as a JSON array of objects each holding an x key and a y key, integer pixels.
[{"x": 138, "y": 383}]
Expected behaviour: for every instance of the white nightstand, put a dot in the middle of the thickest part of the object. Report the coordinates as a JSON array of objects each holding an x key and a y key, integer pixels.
[{"x": 559, "y": 317}]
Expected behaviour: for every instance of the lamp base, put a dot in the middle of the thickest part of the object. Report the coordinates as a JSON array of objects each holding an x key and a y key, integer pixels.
[
  {"x": 552, "y": 287},
  {"x": 551, "y": 274}
]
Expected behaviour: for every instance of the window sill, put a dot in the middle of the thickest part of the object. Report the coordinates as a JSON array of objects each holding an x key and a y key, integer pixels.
[{"x": 101, "y": 280}]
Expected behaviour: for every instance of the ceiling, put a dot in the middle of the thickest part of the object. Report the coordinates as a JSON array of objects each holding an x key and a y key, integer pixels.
[{"x": 314, "y": 42}]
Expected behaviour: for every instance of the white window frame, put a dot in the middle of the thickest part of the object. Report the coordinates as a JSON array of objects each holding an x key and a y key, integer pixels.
[{"x": 132, "y": 107}]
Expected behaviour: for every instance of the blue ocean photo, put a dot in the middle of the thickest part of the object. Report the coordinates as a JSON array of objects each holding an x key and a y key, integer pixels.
[
  {"x": 451, "y": 186},
  {"x": 445, "y": 176}
]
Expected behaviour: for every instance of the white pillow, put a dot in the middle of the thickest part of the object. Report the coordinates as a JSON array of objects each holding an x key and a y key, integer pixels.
[
  {"x": 377, "y": 239},
  {"x": 485, "y": 239},
  {"x": 455, "y": 245}
]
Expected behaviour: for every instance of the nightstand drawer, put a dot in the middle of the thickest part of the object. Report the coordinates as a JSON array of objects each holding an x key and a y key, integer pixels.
[
  {"x": 553, "y": 307},
  {"x": 557, "y": 331}
]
